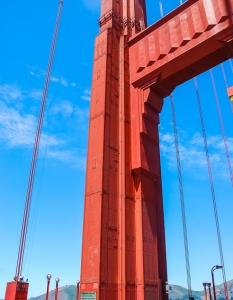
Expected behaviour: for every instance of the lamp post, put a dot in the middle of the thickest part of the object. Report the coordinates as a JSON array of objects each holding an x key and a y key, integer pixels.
[
  {"x": 205, "y": 293},
  {"x": 56, "y": 291},
  {"x": 212, "y": 274},
  {"x": 77, "y": 290},
  {"x": 49, "y": 276},
  {"x": 209, "y": 285}
]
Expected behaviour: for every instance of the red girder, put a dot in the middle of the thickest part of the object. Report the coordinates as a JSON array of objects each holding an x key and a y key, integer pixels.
[{"x": 195, "y": 37}]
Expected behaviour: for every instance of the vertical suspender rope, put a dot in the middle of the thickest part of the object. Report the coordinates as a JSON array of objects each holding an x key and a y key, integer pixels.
[
  {"x": 184, "y": 223},
  {"x": 161, "y": 8},
  {"x": 222, "y": 124},
  {"x": 34, "y": 219},
  {"x": 210, "y": 175},
  {"x": 226, "y": 83},
  {"x": 210, "y": 170},
  {"x": 36, "y": 148},
  {"x": 230, "y": 61},
  {"x": 212, "y": 187},
  {"x": 181, "y": 198}
]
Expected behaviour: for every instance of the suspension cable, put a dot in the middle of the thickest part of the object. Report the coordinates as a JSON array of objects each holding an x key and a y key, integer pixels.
[
  {"x": 226, "y": 83},
  {"x": 161, "y": 8},
  {"x": 181, "y": 197},
  {"x": 184, "y": 223},
  {"x": 209, "y": 166},
  {"x": 36, "y": 149},
  {"x": 222, "y": 126},
  {"x": 210, "y": 177},
  {"x": 230, "y": 61},
  {"x": 212, "y": 187},
  {"x": 55, "y": 97}
]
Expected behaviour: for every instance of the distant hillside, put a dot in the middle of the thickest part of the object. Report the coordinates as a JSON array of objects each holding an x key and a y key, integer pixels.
[
  {"x": 65, "y": 293},
  {"x": 220, "y": 290},
  {"x": 176, "y": 292}
]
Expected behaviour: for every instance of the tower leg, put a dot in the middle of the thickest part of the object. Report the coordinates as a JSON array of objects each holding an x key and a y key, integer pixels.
[
  {"x": 123, "y": 252},
  {"x": 149, "y": 222}
]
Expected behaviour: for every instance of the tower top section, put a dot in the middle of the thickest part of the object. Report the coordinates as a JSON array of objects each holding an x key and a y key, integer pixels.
[{"x": 125, "y": 12}]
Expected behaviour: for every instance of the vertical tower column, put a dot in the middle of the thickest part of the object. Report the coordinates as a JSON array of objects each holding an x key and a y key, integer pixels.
[
  {"x": 151, "y": 269},
  {"x": 99, "y": 274},
  {"x": 114, "y": 265}
]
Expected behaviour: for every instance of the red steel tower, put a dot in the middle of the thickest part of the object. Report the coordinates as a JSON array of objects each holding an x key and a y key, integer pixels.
[
  {"x": 123, "y": 237},
  {"x": 135, "y": 67}
]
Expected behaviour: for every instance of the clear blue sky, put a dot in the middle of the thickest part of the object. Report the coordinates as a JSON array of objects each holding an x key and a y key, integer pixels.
[{"x": 54, "y": 240}]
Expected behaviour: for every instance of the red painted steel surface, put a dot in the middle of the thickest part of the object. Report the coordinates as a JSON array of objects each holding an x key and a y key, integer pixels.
[
  {"x": 16, "y": 291},
  {"x": 190, "y": 40},
  {"x": 123, "y": 251},
  {"x": 10, "y": 291}
]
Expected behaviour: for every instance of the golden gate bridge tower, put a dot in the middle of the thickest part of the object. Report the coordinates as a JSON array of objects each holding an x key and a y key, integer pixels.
[{"x": 135, "y": 67}]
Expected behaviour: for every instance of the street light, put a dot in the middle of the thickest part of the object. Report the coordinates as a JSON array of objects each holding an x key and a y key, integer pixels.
[
  {"x": 56, "y": 291},
  {"x": 212, "y": 274},
  {"x": 49, "y": 276},
  {"x": 205, "y": 293},
  {"x": 77, "y": 290},
  {"x": 209, "y": 285}
]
